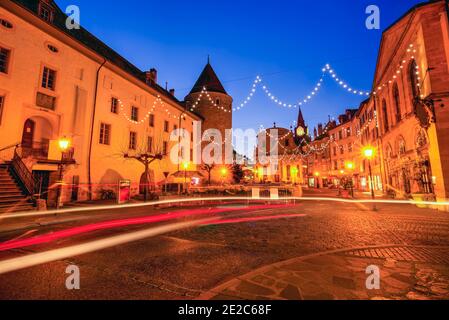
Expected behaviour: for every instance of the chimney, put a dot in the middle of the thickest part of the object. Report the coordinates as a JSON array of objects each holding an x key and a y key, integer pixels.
[
  {"x": 172, "y": 92},
  {"x": 151, "y": 76}
]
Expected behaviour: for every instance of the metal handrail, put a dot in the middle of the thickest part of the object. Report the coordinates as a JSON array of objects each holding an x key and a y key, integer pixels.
[
  {"x": 25, "y": 175},
  {"x": 15, "y": 145}
]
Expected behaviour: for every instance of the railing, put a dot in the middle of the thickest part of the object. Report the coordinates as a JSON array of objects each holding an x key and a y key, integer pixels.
[
  {"x": 38, "y": 150},
  {"x": 5, "y": 152},
  {"x": 22, "y": 172}
]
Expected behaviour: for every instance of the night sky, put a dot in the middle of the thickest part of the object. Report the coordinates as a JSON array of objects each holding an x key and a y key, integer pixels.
[{"x": 286, "y": 42}]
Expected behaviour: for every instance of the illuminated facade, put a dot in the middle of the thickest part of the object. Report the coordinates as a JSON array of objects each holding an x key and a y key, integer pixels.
[
  {"x": 56, "y": 82},
  {"x": 406, "y": 120}
]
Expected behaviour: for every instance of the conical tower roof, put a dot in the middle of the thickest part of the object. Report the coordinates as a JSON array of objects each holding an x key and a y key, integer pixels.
[{"x": 209, "y": 80}]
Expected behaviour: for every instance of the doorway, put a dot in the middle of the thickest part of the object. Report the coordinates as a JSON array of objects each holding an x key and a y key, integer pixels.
[{"x": 28, "y": 134}]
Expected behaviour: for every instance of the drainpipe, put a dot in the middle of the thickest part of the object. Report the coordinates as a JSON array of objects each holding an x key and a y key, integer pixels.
[
  {"x": 92, "y": 130},
  {"x": 447, "y": 9}
]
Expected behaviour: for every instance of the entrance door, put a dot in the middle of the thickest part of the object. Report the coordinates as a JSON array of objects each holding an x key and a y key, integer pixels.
[{"x": 28, "y": 134}]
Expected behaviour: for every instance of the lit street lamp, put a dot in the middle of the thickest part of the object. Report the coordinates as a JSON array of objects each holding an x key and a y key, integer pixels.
[
  {"x": 368, "y": 153},
  {"x": 64, "y": 145},
  {"x": 185, "y": 166},
  {"x": 350, "y": 166},
  {"x": 224, "y": 172}
]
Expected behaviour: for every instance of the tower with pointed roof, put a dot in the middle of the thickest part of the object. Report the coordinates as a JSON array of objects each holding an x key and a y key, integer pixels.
[
  {"x": 209, "y": 99},
  {"x": 300, "y": 124}
]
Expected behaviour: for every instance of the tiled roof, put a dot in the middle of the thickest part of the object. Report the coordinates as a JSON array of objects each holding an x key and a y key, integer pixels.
[{"x": 209, "y": 80}]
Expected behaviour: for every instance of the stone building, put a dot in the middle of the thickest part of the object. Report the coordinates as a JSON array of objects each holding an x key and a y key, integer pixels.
[
  {"x": 406, "y": 119},
  {"x": 65, "y": 83}
]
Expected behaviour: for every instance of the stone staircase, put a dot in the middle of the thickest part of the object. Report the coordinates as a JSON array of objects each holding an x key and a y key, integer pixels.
[{"x": 12, "y": 198}]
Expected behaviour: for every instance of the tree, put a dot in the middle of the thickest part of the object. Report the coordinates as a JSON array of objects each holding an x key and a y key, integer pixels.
[
  {"x": 237, "y": 173},
  {"x": 208, "y": 168},
  {"x": 146, "y": 153}
]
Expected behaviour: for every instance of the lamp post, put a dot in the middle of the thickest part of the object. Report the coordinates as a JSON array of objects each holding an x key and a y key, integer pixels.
[
  {"x": 350, "y": 166},
  {"x": 294, "y": 173},
  {"x": 185, "y": 166},
  {"x": 64, "y": 145},
  {"x": 224, "y": 172},
  {"x": 317, "y": 176},
  {"x": 368, "y": 153}
]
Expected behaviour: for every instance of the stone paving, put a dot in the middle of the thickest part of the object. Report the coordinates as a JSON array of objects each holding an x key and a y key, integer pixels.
[{"x": 406, "y": 273}]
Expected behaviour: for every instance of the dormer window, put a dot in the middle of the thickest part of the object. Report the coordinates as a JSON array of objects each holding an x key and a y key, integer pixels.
[
  {"x": 46, "y": 12},
  {"x": 6, "y": 24}
]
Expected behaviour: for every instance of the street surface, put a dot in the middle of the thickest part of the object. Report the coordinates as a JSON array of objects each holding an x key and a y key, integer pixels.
[{"x": 310, "y": 250}]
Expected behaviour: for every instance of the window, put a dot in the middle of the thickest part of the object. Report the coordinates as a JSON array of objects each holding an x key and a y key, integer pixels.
[
  {"x": 335, "y": 165},
  {"x": 335, "y": 151},
  {"x": 350, "y": 149},
  {"x": 397, "y": 103},
  {"x": 105, "y": 134},
  {"x": 348, "y": 132},
  {"x": 6, "y": 24},
  {"x": 340, "y": 135},
  {"x": 166, "y": 125},
  {"x": 49, "y": 79},
  {"x": 114, "y": 105},
  {"x": 342, "y": 149},
  {"x": 175, "y": 127},
  {"x": 134, "y": 114},
  {"x": 132, "y": 140},
  {"x": 2, "y": 103},
  {"x": 165, "y": 148},
  {"x": 414, "y": 78},
  {"x": 385, "y": 116},
  {"x": 45, "y": 12},
  {"x": 52, "y": 48},
  {"x": 150, "y": 144},
  {"x": 4, "y": 60},
  {"x": 152, "y": 120}
]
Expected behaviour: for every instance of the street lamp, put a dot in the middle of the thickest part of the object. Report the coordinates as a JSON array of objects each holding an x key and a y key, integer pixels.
[
  {"x": 317, "y": 175},
  {"x": 64, "y": 145},
  {"x": 368, "y": 153},
  {"x": 350, "y": 166},
  {"x": 185, "y": 166},
  {"x": 294, "y": 172},
  {"x": 224, "y": 172}
]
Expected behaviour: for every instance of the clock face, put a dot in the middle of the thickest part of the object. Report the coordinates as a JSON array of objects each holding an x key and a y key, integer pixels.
[{"x": 300, "y": 131}]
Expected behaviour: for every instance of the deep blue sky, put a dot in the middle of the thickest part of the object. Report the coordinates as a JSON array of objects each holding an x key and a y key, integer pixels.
[{"x": 286, "y": 42}]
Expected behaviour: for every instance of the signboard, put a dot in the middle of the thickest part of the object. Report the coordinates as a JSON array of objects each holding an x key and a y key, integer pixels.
[{"x": 124, "y": 191}]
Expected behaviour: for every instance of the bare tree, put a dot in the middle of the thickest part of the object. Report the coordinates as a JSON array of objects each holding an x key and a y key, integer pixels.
[
  {"x": 208, "y": 168},
  {"x": 146, "y": 152}
]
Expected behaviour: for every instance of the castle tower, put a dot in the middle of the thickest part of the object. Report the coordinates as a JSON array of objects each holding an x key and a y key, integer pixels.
[{"x": 216, "y": 109}]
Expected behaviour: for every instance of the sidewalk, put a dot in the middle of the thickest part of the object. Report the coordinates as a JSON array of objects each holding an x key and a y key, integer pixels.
[{"x": 407, "y": 273}]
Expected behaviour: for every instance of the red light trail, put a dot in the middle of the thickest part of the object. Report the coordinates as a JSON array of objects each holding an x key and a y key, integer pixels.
[{"x": 46, "y": 238}]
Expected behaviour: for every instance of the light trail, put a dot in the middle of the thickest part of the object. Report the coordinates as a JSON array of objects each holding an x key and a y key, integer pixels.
[
  {"x": 255, "y": 219},
  {"x": 193, "y": 200},
  {"x": 114, "y": 224},
  {"x": 76, "y": 250},
  {"x": 35, "y": 259}
]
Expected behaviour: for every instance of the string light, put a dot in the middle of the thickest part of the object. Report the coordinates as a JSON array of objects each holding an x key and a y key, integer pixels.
[{"x": 342, "y": 83}]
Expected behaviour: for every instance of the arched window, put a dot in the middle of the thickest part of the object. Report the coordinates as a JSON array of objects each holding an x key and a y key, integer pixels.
[
  {"x": 421, "y": 138},
  {"x": 414, "y": 82},
  {"x": 401, "y": 148},
  {"x": 397, "y": 103},
  {"x": 385, "y": 115},
  {"x": 389, "y": 152}
]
